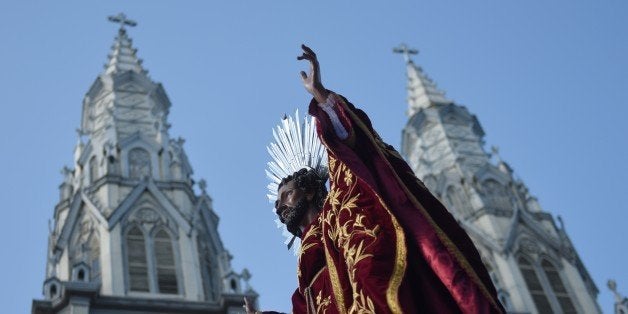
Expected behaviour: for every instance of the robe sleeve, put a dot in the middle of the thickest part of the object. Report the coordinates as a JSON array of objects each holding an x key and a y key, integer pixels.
[
  {"x": 298, "y": 302},
  {"x": 365, "y": 241},
  {"x": 429, "y": 228}
]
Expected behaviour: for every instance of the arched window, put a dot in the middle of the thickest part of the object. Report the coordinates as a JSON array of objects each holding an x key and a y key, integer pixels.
[
  {"x": 136, "y": 259},
  {"x": 165, "y": 264},
  {"x": 207, "y": 267},
  {"x": 139, "y": 163},
  {"x": 53, "y": 291},
  {"x": 93, "y": 169},
  {"x": 558, "y": 287},
  {"x": 534, "y": 286}
]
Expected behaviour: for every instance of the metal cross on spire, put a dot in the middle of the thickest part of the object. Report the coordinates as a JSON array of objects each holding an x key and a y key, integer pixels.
[
  {"x": 495, "y": 152},
  {"x": 203, "y": 185},
  {"x": 406, "y": 51},
  {"x": 122, "y": 19}
]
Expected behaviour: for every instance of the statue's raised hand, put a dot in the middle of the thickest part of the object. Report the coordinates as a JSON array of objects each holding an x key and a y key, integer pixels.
[{"x": 312, "y": 82}]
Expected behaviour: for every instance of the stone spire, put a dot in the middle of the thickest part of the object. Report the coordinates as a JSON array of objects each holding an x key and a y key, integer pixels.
[
  {"x": 129, "y": 228},
  {"x": 443, "y": 143},
  {"x": 123, "y": 56},
  {"x": 422, "y": 91}
]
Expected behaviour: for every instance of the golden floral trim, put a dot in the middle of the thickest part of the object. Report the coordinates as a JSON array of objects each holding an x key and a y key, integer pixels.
[
  {"x": 322, "y": 303},
  {"x": 356, "y": 252},
  {"x": 314, "y": 231},
  {"x": 325, "y": 221},
  {"x": 335, "y": 281},
  {"x": 401, "y": 262},
  {"x": 451, "y": 247}
]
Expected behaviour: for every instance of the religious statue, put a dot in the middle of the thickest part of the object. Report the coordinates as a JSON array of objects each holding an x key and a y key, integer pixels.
[{"x": 378, "y": 241}]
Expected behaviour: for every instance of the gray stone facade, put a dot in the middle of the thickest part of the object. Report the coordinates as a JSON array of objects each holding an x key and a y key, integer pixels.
[
  {"x": 130, "y": 234},
  {"x": 530, "y": 258}
]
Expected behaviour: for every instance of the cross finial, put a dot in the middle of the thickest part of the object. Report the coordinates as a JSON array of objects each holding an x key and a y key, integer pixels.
[
  {"x": 613, "y": 286},
  {"x": 203, "y": 185},
  {"x": 495, "y": 152},
  {"x": 122, "y": 19},
  {"x": 406, "y": 51}
]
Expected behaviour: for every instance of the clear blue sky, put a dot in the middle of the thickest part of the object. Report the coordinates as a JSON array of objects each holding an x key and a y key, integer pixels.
[{"x": 547, "y": 80}]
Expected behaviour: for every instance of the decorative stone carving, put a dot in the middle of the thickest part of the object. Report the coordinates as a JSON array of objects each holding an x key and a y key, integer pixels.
[
  {"x": 87, "y": 227},
  {"x": 66, "y": 188},
  {"x": 568, "y": 253},
  {"x": 147, "y": 216},
  {"x": 139, "y": 163},
  {"x": 176, "y": 147},
  {"x": 81, "y": 249},
  {"x": 529, "y": 247},
  {"x": 110, "y": 159},
  {"x": 496, "y": 194}
]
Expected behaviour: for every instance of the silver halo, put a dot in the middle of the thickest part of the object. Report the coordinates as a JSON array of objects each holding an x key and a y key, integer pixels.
[{"x": 296, "y": 146}]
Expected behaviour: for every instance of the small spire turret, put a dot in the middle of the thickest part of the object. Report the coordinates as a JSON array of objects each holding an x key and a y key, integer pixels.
[
  {"x": 621, "y": 302},
  {"x": 202, "y": 184}
]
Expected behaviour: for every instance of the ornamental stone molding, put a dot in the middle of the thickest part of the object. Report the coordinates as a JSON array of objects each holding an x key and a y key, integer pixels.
[{"x": 529, "y": 247}]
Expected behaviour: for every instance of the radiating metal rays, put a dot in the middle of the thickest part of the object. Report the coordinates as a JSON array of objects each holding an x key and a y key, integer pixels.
[{"x": 296, "y": 146}]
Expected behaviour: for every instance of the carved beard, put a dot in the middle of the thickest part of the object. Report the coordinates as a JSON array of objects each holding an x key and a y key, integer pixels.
[{"x": 295, "y": 216}]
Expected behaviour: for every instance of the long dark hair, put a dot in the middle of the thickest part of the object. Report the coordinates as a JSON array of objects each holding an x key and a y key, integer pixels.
[{"x": 308, "y": 180}]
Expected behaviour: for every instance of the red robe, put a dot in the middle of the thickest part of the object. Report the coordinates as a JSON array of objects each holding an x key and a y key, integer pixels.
[{"x": 382, "y": 242}]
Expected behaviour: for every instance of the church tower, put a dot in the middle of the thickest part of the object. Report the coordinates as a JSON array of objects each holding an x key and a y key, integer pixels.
[
  {"x": 130, "y": 234},
  {"x": 530, "y": 258}
]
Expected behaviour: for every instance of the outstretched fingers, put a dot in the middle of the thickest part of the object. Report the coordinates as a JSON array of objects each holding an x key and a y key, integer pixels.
[
  {"x": 308, "y": 50},
  {"x": 306, "y": 56},
  {"x": 312, "y": 80}
]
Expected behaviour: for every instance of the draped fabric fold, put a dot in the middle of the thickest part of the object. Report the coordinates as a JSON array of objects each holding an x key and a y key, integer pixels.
[{"x": 382, "y": 242}]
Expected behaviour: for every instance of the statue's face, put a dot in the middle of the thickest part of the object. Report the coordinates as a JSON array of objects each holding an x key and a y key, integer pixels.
[{"x": 291, "y": 205}]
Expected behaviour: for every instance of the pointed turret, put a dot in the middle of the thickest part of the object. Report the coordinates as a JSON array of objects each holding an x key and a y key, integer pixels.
[
  {"x": 422, "y": 91},
  {"x": 123, "y": 100},
  {"x": 531, "y": 261},
  {"x": 129, "y": 230},
  {"x": 123, "y": 56}
]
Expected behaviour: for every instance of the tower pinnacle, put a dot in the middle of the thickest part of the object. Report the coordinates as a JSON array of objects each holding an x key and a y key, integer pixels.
[
  {"x": 422, "y": 91},
  {"x": 123, "y": 56}
]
